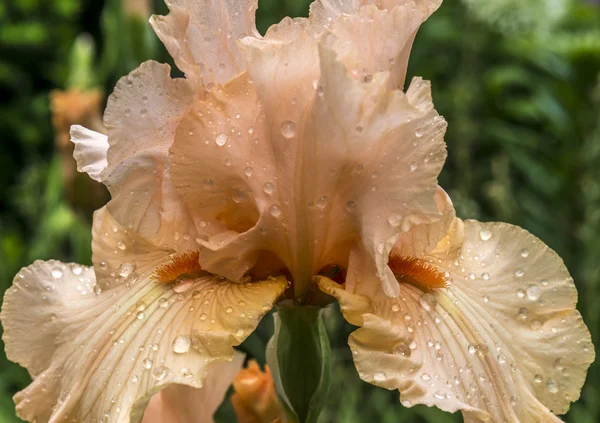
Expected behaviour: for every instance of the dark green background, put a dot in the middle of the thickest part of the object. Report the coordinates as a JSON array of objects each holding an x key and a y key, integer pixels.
[{"x": 517, "y": 80}]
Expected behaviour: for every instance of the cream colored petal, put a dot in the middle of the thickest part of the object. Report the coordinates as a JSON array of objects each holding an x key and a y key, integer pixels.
[
  {"x": 143, "y": 112},
  {"x": 373, "y": 39},
  {"x": 90, "y": 151},
  {"x": 102, "y": 357},
  {"x": 184, "y": 404},
  {"x": 141, "y": 118},
  {"x": 202, "y": 36},
  {"x": 119, "y": 254},
  {"x": 504, "y": 342},
  {"x": 314, "y": 159}
]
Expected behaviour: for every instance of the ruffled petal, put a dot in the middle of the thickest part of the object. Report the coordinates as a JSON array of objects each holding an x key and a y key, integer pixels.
[
  {"x": 376, "y": 37},
  {"x": 184, "y": 404},
  {"x": 202, "y": 36},
  {"x": 102, "y": 357},
  {"x": 308, "y": 160},
  {"x": 141, "y": 117},
  {"x": 90, "y": 151},
  {"x": 143, "y": 112},
  {"x": 503, "y": 342}
]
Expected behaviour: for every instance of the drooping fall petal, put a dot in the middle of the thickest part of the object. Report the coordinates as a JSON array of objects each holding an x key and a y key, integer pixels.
[
  {"x": 101, "y": 357},
  {"x": 184, "y": 404},
  {"x": 503, "y": 341}
]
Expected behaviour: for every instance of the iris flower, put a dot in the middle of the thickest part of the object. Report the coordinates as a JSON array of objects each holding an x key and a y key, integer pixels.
[{"x": 293, "y": 166}]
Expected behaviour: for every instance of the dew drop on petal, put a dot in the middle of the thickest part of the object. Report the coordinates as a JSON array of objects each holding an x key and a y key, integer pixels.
[
  {"x": 379, "y": 377},
  {"x": 395, "y": 308},
  {"x": 519, "y": 273},
  {"x": 521, "y": 293},
  {"x": 428, "y": 301},
  {"x": 485, "y": 234},
  {"x": 268, "y": 188},
  {"x": 239, "y": 333},
  {"x": 126, "y": 269},
  {"x": 552, "y": 386},
  {"x": 350, "y": 206},
  {"x": 147, "y": 363},
  {"x": 288, "y": 129},
  {"x": 395, "y": 219},
  {"x": 181, "y": 344},
  {"x": 159, "y": 373},
  {"x": 221, "y": 139},
  {"x": 140, "y": 315},
  {"x": 524, "y": 253},
  {"x": 533, "y": 292},
  {"x": 275, "y": 210},
  {"x": 538, "y": 378},
  {"x": 57, "y": 273}
]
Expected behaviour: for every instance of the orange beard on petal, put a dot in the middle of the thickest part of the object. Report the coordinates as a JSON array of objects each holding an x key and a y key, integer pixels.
[
  {"x": 417, "y": 272},
  {"x": 184, "y": 265}
]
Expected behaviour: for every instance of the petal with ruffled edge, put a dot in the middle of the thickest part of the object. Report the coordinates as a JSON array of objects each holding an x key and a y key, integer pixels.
[
  {"x": 141, "y": 117},
  {"x": 202, "y": 36},
  {"x": 315, "y": 169},
  {"x": 504, "y": 341},
  {"x": 184, "y": 404},
  {"x": 102, "y": 357},
  {"x": 374, "y": 37},
  {"x": 90, "y": 151}
]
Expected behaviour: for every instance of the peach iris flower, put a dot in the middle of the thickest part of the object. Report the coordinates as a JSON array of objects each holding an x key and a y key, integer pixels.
[{"x": 275, "y": 160}]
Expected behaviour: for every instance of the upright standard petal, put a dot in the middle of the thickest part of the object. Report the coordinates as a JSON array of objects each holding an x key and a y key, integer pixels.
[
  {"x": 184, "y": 404},
  {"x": 502, "y": 342},
  {"x": 374, "y": 37},
  {"x": 314, "y": 159},
  {"x": 101, "y": 357},
  {"x": 201, "y": 36}
]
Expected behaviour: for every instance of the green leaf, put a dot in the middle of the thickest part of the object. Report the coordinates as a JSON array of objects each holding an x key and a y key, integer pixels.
[{"x": 299, "y": 356}]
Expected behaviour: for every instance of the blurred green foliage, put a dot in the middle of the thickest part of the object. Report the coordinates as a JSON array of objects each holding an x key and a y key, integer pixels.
[{"x": 518, "y": 82}]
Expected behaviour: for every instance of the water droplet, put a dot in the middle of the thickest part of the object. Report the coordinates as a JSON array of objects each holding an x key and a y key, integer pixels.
[
  {"x": 275, "y": 210},
  {"x": 134, "y": 379},
  {"x": 552, "y": 386},
  {"x": 140, "y": 315},
  {"x": 403, "y": 350},
  {"x": 229, "y": 310},
  {"x": 519, "y": 273},
  {"x": 521, "y": 293},
  {"x": 147, "y": 363},
  {"x": 533, "y": 292},
  {"x": 428, "y": 301},
  {"x": 472, "y": 349},
  {"x": 239, "y": 332},
  {"x": 248, "y": 171},
  {"x": 322, "y": 202},
  {"x": 76, "y": 269},
  {"x": 513, "y": 401},
  {"x": 524, "y": 253},
  {"x": 486, "y": 276},
  {"x": 268, "y": 188},
  {"x": 57, "y": 273},
  {"x": 121, "y": 245},
  {"x": 413, "y": 166},
  {"x": 425, "y": 376},
  {"x": 160, "y": 373},
  {"x": 221, "y": 139},
  {"x": 485, "y": 234},
  {"x": 203, "y": 317},
  {"x": 439, "y": 395},
  {"x": 395, "y": 219},
  {"x": 288, "y": 129},
  {"x": 181, "y": 344},
  {"x": 395, "y": 308},
  {"x": 186, "y": 373},
  {"x": 538, "y": 378},
  {"x": 379, "y": 377},
  {"x": 126, "y": 269},
  {"x": 350, "y": 206}
]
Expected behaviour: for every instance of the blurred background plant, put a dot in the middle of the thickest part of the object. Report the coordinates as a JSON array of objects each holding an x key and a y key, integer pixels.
[{"x": 517, "y": 80}]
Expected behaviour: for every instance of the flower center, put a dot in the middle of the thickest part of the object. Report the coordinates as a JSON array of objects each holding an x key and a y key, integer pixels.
[
  {"x": 181, "y": 266},
  {"x": 417, "y": 272}
]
